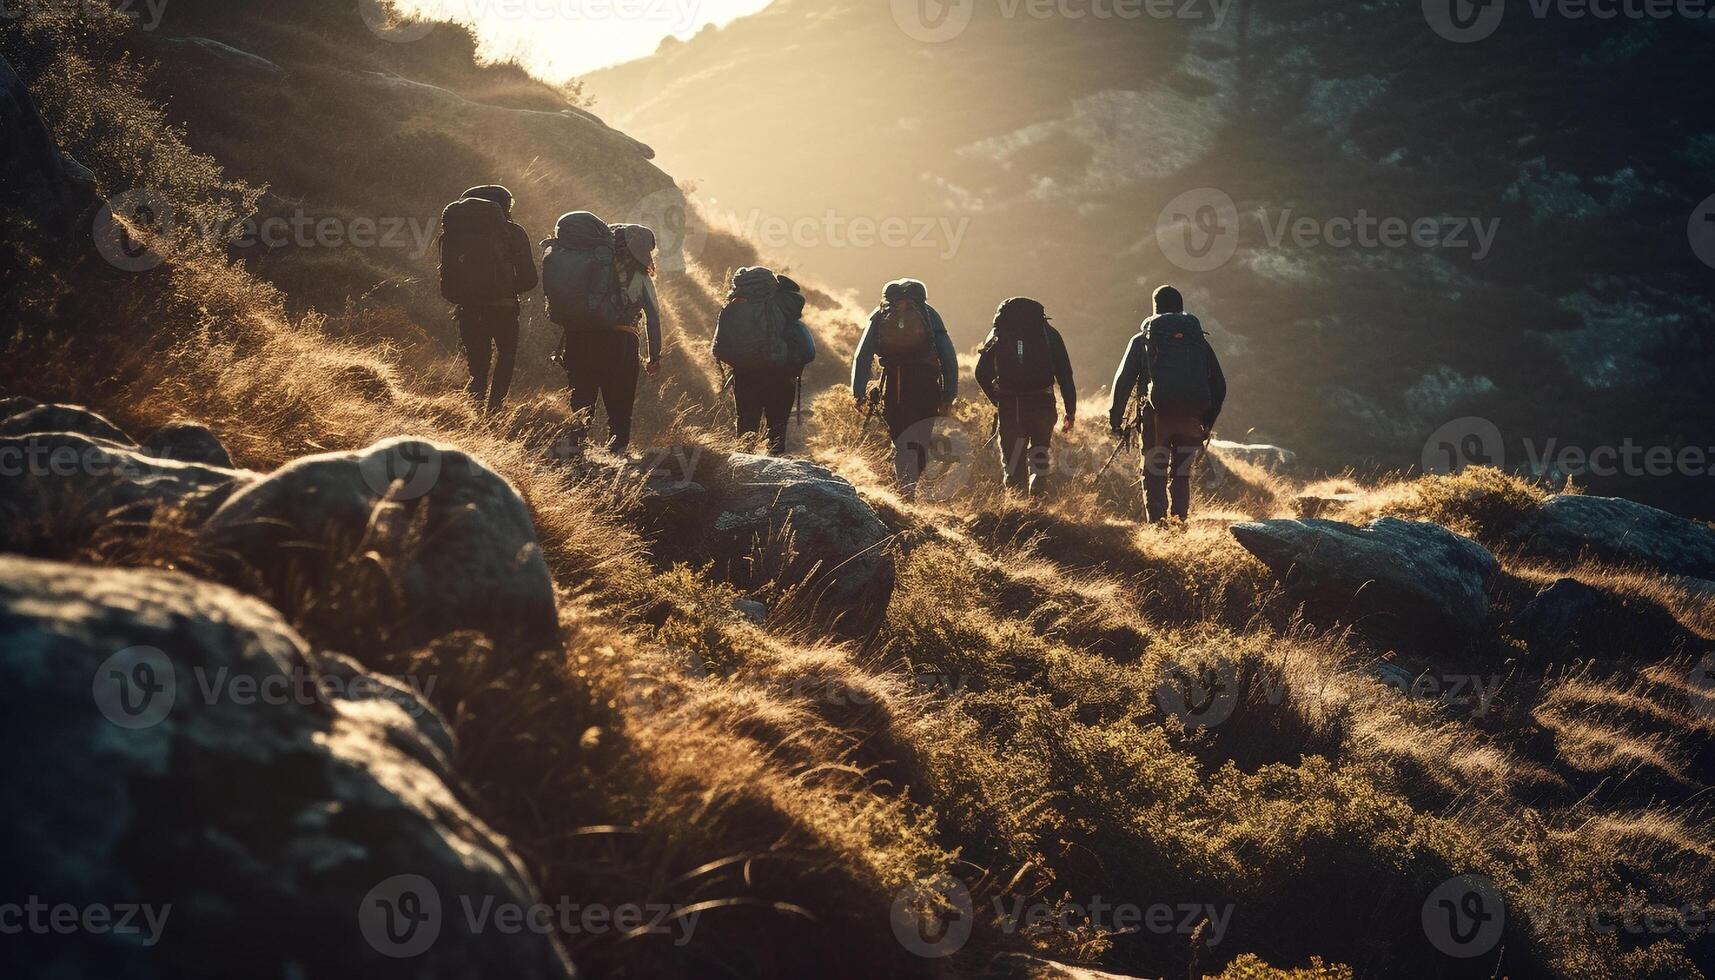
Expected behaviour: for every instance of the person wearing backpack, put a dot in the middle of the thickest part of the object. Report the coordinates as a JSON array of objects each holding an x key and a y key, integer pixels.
[
  {"x": 1171, "y": 366},
  {"x": 919, "y": 373},
  {"x": 599, "y": 279},
  {"x": 762, "y": 338},
  {"x": 1021, "y": 363},
  {"x": 486, "y": 264}
]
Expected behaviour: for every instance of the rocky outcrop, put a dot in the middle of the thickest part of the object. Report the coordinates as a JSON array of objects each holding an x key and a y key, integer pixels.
[
  {"x": 57, "y": 488},
  {"x": 187, "y": 442},
  {"x": 173, "y": 748},
  {"x": 62, "y": 418},
  {"x": 1567, "y": 527},
  {"x": 764, "y": 519},
  {"x": 35, "y": 176},
  {"x": 1390, "y": 574},
  {"x": 1572, "y": 619},
  {"x": 400, "y": 543}
]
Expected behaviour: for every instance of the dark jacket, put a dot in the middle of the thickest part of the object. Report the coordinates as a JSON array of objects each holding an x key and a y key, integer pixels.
[
  {"x": 988, "y": 374},
  {"x": 862, "y": 364},
  {"x": 1133, "y": 376}
]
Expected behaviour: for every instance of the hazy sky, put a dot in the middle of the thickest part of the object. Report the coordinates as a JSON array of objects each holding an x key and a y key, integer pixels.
[{"x": 561, "y": 38}]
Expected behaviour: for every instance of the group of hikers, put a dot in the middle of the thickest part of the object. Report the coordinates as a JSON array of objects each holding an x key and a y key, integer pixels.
[{"x": 599, "y": 282}]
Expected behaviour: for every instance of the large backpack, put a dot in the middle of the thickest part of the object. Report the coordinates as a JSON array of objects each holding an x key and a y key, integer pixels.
[
  {"x": 580, "y": 276},
  {"x": 903, "y": 331},
  {"x": 751, "y": 334},
  {"x": 1023, "y": 356},
  {"x": 476, "y": 267},
  {"x": 1178, "y": 355}
]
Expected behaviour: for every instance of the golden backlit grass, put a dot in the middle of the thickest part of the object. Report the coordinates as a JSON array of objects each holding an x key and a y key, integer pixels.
[{"x": 1004, "y": 725}]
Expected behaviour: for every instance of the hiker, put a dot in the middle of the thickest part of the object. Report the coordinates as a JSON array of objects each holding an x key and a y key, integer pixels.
[
  {"x": 1021, "y": 362},
  {"x": 599, "y": 278},
  {"x": 486, "y": 264},
  {"x": 1178, "y": 379},
  {"x": 761, "y": 336},
  {"x": 919, "y": 374}
]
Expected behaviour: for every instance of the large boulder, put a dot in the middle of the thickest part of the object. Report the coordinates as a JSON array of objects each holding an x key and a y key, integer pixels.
[
  {"x": 1567, "y": 527},
  {"x": 398, "y": 544},
  {"x": 187, "y": 442},
  {"x": 1571, "y": 619},
  {"x": 1399, "y": 576},
  {"x": 35, "y": 176},
  {"x": 176, "y": 755},
  {"x": 63, "y": 418},
  {"x": 765, "y": 520},
  {"x": 59, "y": 488}
]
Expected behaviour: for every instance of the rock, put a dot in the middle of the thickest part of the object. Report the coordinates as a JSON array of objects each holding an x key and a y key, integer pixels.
[
  {"x": 1271, "y": 458},
  {"x": 34, "y": 176},
  {"x": 751, "y": 610},
  {"x": 57, "y": 488},
  {"x": 1310, "y": 504},
  {"x": 810, "y": 526},
  {"x": 1567, "y": 527},
  {"x": 187, "y": 442},
  {"x": 14, "y": 404},
  {"x": 63, "y": 418},
  {"x": 1571, "y": 619},
  {"x": 407, "y": 541},
  {"x": 236, "y": 796},
  {"x": 762, "y": 520},
  {"x": 1408, "y": 575}
]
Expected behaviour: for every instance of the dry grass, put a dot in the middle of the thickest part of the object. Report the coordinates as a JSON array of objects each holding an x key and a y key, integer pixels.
[{"x": 1005, "y": 725}]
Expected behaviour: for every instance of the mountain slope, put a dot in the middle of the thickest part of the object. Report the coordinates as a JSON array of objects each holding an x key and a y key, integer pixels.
[
  {"x": 1028, "y": 718},
  {"x": 1558, "y": 163}
]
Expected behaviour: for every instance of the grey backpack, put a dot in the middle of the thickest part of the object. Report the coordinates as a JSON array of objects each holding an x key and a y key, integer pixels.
[
  {"x": 751, "y": 334},
  {"x": 581, "y": 278}
]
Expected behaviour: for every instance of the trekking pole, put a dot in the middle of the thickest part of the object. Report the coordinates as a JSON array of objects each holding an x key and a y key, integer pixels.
[{"x": 1135, "y": 430}]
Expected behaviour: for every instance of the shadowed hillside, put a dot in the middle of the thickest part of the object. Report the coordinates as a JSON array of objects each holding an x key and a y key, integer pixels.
[
  {"x": 1457, "y": 726},
  {"x": 1252, "y": 159}
]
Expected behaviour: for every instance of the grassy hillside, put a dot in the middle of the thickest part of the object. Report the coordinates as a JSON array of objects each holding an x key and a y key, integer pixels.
[
  {"x": 1061, "y": 151},
  {"x": 1003, "y": 727}
]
